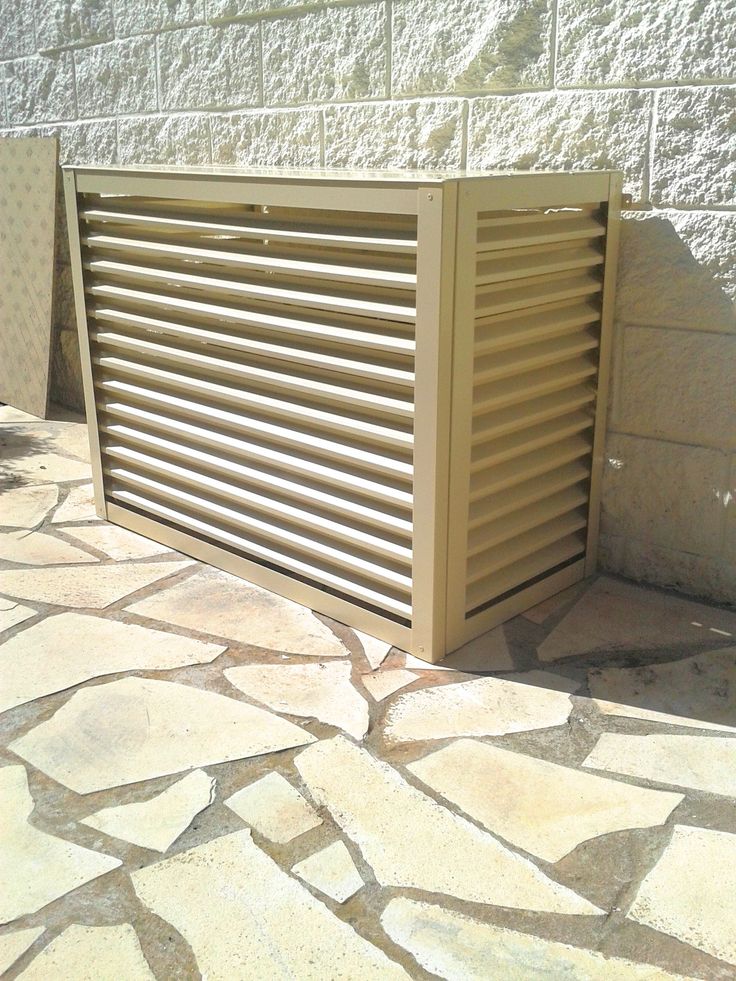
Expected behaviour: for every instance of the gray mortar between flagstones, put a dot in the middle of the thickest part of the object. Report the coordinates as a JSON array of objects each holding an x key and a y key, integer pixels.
[{"x": 606, "y": 870}]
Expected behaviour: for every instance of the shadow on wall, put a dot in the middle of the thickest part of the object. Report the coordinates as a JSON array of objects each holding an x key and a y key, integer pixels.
[
  {"x": 669, "y": 508},
  {"x": 678, "y": 269}
]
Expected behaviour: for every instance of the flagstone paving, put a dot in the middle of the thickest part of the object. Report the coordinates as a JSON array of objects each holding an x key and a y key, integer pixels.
[
  {"x": 428, "y": 847},
  {"x": 157, "y": 823},
  {"x": 456, "y": 947},
  {"x": 26, "y": 507},
  {"x": 690, "y": 891},
  {"x": 79, "y": 505},
  {"x": 384, "y": 683},
  {"x": 695, "y": 691},
  {"x": 15, "y": 943},
  {"x": 332, "y": 871},
  {"x": 706, "y": 763},
  {"x": 36, "y": 548},
  {"x": 248, "y": 614},
  {"x": 12, "y": 613},
  {"x": 320, "y": 691},
  {"x": 246, "y": 918},
  {"x": 218, "y": 783},
  {"x": 103, "y": 953},
  {"x": 90, "y": 587},
  {"x": 138, "y": 728},
  {"x": 65, "y": 650},
  {"x": 543, "y": 808},
  {"x": 485, "y": 707},
  {"x": 116, "y": 542},
  {"x": 36, "y": 867},
  {"x": 274, "y": 809}
]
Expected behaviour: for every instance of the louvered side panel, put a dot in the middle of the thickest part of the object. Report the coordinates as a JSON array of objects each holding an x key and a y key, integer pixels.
[
  {"x": 537, "y": 308},
  {"x": 253, "y": 371}
]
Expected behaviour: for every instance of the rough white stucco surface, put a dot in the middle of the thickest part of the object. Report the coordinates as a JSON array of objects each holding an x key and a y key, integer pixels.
[{"x": 647, "y": 86}]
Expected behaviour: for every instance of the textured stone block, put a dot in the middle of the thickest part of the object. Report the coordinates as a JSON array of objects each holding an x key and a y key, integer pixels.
[
  {"x": 695, "y": 147},
  {"x": 678, "y": 269},
  {"x": 326, "y": 55},
  {"x": 209, "y": 67},
  {"x": 697, "y": 575},
  {"x": 395, "y": 134},
  {"x": 16, "y": 30},
  {"x": 563, "y": 131},
  {"x": 643, "y": 40},
  {"x": 664, "y": 493},
  {"x": 40, "y": 88},
  {"x": 119, "y": 77},
  {"x": 470, "y": 45},
  {"x": 164, "y": 139},
  {"x": 228, "y": 9},
  {"x": 84, "y": 142},
  {"x": 68, "y": 23},
  {"x": 149, "y": 16},
  {"x": 678, "y": 385},
  {"x": 267, "y": 139}
]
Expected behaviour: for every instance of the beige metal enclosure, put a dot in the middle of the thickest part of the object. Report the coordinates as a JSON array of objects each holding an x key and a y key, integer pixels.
[{"x": 380, "y": 394}]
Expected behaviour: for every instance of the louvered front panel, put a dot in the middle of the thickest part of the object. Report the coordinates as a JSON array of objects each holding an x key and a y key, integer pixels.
[
  {"x": 538, "y": 294},
  {"x": 381, "y": 395},
  {"x": 254, "y": 378}
]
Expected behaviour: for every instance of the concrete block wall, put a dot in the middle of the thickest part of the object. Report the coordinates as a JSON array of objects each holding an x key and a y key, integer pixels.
[{"x": 647, "y": 86}]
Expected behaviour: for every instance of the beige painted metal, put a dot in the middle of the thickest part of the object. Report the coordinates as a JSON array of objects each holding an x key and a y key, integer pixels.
[{"x": 379, "y": 394}]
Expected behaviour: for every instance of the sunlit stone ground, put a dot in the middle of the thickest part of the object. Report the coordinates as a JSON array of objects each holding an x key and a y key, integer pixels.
[{"x": 198, "y": 778}]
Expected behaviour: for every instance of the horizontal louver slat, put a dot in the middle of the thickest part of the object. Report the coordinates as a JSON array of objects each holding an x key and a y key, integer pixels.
[{"x": 537, "y": 333}]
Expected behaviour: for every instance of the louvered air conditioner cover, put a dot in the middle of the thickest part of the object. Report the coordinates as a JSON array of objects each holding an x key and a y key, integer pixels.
[{"x": 380, "y": 394}]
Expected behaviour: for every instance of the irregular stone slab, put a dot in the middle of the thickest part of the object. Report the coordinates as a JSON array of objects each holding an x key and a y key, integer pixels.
[
  {"x": 482, "y": 707},
  {"x": 416, "y": 663},
  {"x": 36, "y": 548},
  {"x": 385, "y": 683},
  {"x": 689, "y": 893},
  {"x": 26, "y": 507},
  {"x": 9, "y": 416},
  {"x": 135, "y": 729},
  {"x": 274, "y": 808},
  {"x": 545, "y": 679},
  {"x": 322, "y": 691},
  {"x": 78, "y": 506},
  {"x": 35, "y": 867},
  {"x": 376, "y": 651},
  {"x": 73, "y": 438},
  {"x": 118, "y": 543},
  {"x": 541, "y": 807},
  {"x": 489, "y": 652},
  {"x": 617, "y": 616},
  {"x": 245, "y": 918},
  {"x": 701, "y": 762},
  {"x": 413, "y": 842},
  {"x": 459, "y": 948},
  {"x": 332, "y": 871},
  {"x": 158, "y": 822},
  {"x": 42, "y": 467},
  {"x": 697, "y": 691},
  {"x": 12, "y": 613},
  {"x": 544, "y": 610},
  {"x": 85, "y": 586},
  {"x": 86, "y": 953},
  {"x": 222, "y": 604},
  {"x": 65, "y": 650},
  {"x": 12, "y": 945}
]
